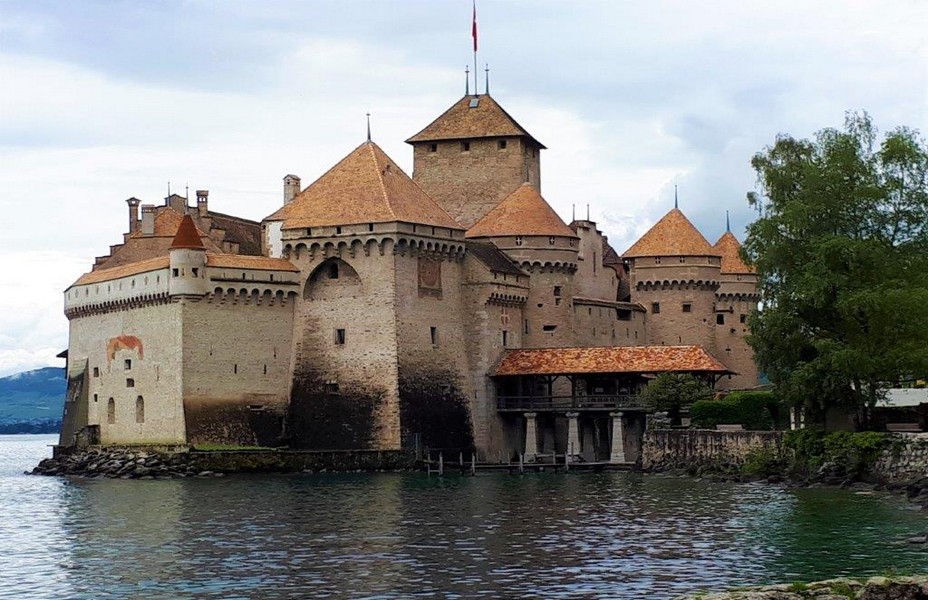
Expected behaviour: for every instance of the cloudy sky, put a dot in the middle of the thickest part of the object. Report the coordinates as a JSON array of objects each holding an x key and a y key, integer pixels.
[{"x": 100, "y": 101}]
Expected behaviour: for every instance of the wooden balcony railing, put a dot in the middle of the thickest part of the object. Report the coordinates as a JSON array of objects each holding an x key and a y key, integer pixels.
[{"x": 568, "y": 403}]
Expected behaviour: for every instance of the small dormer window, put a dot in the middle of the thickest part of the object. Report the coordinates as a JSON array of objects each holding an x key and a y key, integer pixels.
[
  {"x": 433, "y": 147},
  {"x": 465, "y": 146}
]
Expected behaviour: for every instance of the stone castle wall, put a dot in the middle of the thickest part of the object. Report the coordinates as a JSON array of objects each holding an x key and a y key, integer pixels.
[
  {"x": 470, "y": 183},
  {"x": 237, "y": 358},
  {"x": 131, "y": 354},
  {"x": 344, "y": 392}
]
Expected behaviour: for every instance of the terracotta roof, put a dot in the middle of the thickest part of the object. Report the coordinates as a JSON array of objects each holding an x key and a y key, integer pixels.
[
  {"x": 616, "y": 359},
  {"x": 493, "y": 258},
  {"x": 728, "y": 246},
  {"x": 673, "y": 235},
  {"x": 242, "y": 261},
  {"x": 187, "y": 236},
  {"x": 142, "y": 266},
  {"x": 142, "y": 247},
  {"x": 364, "y": 187},
  {"x": 487, "y": 119},
  {"x": 523, "y": 212}
]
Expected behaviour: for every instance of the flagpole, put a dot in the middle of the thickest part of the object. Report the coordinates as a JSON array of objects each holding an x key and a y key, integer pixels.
[{"x": 474, "y": 34}]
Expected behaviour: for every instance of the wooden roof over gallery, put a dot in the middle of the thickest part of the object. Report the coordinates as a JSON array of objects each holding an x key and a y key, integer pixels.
[{"x": 610, "y": 359}]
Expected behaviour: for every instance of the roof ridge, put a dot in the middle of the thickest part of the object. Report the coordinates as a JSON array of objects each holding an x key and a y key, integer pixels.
[{"x": 383, "y": 186}]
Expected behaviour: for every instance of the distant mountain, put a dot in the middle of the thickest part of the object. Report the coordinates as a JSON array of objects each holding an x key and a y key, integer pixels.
[{"x": 32, "y": 401}]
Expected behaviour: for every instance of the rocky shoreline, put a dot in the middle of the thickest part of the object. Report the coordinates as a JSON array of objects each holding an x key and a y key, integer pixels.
[
  {"x": 874, "y": 588},
  {"x": 122, "y": 463}
]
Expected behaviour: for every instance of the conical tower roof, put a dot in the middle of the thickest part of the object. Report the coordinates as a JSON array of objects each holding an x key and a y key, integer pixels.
[
  {"x": 523, "y": 212},
  {"x": 728, "y": 246},
  {"x": 364, "y": 187},
  {"x": 673, "y": 235},
  {"x": 187, "y": 236},
  {"x": 472, "y": 117}
]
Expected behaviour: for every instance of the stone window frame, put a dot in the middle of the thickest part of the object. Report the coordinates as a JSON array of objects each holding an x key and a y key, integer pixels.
[{"x": 341, "y": 336}]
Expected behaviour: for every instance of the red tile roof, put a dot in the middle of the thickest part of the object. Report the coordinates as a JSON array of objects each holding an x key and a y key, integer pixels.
[
  {"x": 187, "y": 236},
  {"x": 462, "y": 121},
  {"x": 245, "y": 261},
  {"x": 142, "y": 266},
  {"x": 728, "y": 246},
  {"x": 364, "y": 187},
  {"x": 673, "y": 235},
  {"x": 616, "y": 359},
  {"x": 523, "y": 212}
]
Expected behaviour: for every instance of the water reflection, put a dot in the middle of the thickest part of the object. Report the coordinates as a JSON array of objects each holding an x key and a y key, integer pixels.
[{"x": 389, "y": 536}]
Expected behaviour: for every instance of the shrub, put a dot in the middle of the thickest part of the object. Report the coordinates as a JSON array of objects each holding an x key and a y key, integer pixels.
[
  {"x": 853, "y": 453},
  {"x": 754, "y": 410}
]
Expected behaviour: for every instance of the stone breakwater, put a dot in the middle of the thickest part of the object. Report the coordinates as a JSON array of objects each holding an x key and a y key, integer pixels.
[
  {"x": 875, "y": 588},
  {"x": 147, "y": 463}
]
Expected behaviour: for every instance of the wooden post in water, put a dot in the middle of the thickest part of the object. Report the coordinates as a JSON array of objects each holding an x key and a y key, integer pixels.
[
  {"x": 566, "y": 462},
  {"x": 473, "y": 465},
  {"x": 521, "y": 464},
  {"x": 461, "y": 461},
  {"x": 441, "y": 464}
]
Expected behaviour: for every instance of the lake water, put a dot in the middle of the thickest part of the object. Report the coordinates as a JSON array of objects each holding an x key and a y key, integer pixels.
[{"x": 608, "y": 535}]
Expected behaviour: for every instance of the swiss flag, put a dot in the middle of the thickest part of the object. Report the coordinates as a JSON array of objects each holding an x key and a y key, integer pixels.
[{"x": 473, "y": 30}]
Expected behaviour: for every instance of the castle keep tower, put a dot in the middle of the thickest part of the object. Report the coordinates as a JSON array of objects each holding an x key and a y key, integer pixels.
[
  {"x": 674, "y": 275},
  {"x": 736, "y": 298},
  {"x": 473, "y": 156}
]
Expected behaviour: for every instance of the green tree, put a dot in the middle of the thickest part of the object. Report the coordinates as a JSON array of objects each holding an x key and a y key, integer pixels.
[
  {"x": 672, "y": 391},
  {"x": 841, "y": 246}
]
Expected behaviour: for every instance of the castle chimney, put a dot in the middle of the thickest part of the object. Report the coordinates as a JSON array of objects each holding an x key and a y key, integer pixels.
[
  {"x": 291, "y": 188},
  {"x": 133, "y": 214},
  {"x": 202, "y": 200},
  {"x": 148, "y": 219}
]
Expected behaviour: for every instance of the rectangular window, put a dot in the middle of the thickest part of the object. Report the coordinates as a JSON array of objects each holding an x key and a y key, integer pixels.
[
  {"x": 624, "y": 315},
  {"x": 95, "y": 398},
  {"x": 96, "y": 371},
  {"x": 127, "y": 364},
  {"x": 557, "y": 302},
  {"x": 501, "y": 144},
  {"x": 175, "y": 272},
  {"x": 340, "y": 336},
  {"x": 557, "y": 291},
  {"x": 465, "y": 146},
  {"x": 655, "y": 308},
  {"x": 433, "y": 147},
  {"x": 518, "y": 240},
  {"x": 130, "y": 382},
  {"x": 719, "y": 319},
  {"x": 196, "y": 271},
  {"x": 687, "y": 307},
  {"x": 331, "y": 387},
  {"x": 744, "y": 318},
  {"x": 235, "y": 368},
  {"x": 525, "y": 327},
  {"x": 505, "y": 338},
  {"x": 549, "y": 328},
  {"x": 338, "y": 230},
  {"x": 433, "y": 334}
]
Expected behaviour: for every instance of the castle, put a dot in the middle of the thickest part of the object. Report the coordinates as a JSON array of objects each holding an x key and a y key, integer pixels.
[{"x": 450, "y": 309}]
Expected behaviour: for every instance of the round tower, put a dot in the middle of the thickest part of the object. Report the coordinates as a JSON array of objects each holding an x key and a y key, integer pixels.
[
  {"x": 188, "y": 261},
  {"x": 674, "y": 275},
  {"x": 528, "y": 230},
  {"x": 736, "y": 299}
]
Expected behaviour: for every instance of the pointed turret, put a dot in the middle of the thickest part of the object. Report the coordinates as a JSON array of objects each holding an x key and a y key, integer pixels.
[
  {"x": 188, "y": 261},
  {"x": 673, "y": 235},
  {"x": 364, "y": 187},
  {"x": 524, "y": 213},
  {"x": 728, "y": 248}
]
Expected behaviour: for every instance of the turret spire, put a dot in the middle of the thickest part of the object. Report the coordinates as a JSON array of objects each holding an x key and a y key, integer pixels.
[
  {"x": 467, "y": 80},
  {"x": 676, "y": 202},
  {"x": 486, "y": 87},
  {"x": 727, "y": 222},
  {"x": 368, "y": 127}
]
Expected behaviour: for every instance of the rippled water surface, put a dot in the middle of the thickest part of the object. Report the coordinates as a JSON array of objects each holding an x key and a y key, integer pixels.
[{"x": 610, "y": 535}]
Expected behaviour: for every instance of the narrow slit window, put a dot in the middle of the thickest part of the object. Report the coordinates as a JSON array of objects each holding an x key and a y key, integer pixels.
[
  {"x": 127, "y": 364},
  {"x": 111, "y": 411},
  {"x": 139, "y": 410},
  {"x": 340, "y": 337},
  {"x": 433, "y": 334}
]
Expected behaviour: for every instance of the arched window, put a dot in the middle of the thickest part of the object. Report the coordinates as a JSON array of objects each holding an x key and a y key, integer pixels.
[
  {"x": 139, "y": 410},
  {"x": 111, "y": 411}
]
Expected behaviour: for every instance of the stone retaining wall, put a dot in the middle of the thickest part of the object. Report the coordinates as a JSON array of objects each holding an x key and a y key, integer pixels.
[
  {"x": 905, "y": 460},
  {"x": 685, "y": 449},
  {"x": 875, "y": 588}
]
